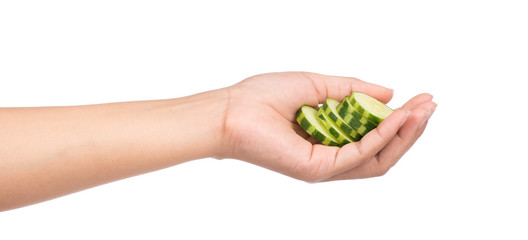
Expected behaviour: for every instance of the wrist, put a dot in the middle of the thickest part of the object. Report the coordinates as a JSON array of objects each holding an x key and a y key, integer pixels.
[{"x": 199, "y": 120}]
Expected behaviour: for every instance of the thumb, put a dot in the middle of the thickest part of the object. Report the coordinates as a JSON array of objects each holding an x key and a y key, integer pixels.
[{"x": 339, "y": 87}]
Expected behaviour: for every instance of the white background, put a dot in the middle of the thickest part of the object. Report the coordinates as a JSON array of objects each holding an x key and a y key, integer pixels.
[{"x": 465, "y": 178}]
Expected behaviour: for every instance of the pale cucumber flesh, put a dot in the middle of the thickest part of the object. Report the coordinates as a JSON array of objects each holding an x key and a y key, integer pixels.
[
  {"x": 337, "y": 123},
  {"x": 372, "y": 109}
]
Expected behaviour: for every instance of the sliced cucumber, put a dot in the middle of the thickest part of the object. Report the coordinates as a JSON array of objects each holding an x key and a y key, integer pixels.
[
  {"x": 353, "y": 118},
  {"x": 338, "y": 123},
  {"x": 342, "y": 137},
  {"x": 372, "y": 109},
  {"x": 330, "y": 108},
  {"x": 308, "y": 120}
]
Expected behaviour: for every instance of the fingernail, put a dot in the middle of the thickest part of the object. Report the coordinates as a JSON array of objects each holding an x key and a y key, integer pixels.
[
  {"x": 426, "y": 117},
  {"x": 434, "y": 107},
  {"x": 407, "y": 113}
]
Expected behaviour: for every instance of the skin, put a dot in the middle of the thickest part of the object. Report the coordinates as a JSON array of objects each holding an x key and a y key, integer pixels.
[{"x": 47, "y": 152}]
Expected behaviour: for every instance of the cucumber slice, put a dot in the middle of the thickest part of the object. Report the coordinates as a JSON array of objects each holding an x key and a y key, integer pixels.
[
  {"x": 308, "y": 120},
  {"x": 330, "y": 108},
  {"x": 353, "y": 118},
  {"x": 372, "y": 109},
  {"x": 342, "y": 137}
]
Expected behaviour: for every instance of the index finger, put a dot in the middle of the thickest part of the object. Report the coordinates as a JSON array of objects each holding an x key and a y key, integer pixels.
[{"x": 354, "y": 154}]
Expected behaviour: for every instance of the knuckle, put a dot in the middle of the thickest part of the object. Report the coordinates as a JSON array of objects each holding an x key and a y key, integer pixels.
[
  {"x": 380, "y": 135},
  {"x": 313, "y": 172},
  {"x": 311, "y": 180},
  {"x": 309, "y": 177},
  {"x": 305, "y": 171},
  {"x": 382, "y": 171}
]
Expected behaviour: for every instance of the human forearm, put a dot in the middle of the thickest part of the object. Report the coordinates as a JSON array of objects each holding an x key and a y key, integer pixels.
[
  {"x": 53, "y": 151},
  {"x": 49, "y": 152}
]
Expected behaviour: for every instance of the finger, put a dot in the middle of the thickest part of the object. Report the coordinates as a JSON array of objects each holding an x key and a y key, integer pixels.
[
  {"x": 426, "y": 122},
  {"x": 340, "y": 87},
  {"x": 419, "y": 114},
  {"x": 380, "y": 164},
  {"x": 354, "y": 154},
  {"x": 369, "y": 168},
  {"x": 406, "y": 137},
  {"x": 417, "y": 100},
  {"x": 423, "y": 125}
]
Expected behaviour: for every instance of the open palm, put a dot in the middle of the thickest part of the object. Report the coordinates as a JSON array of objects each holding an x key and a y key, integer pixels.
[{"x": 260, "y": 127}]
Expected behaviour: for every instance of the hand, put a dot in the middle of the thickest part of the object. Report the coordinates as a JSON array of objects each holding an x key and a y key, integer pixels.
[
  {"x": 260, "y": 127},
  {"x": 253, "y": 120}
]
